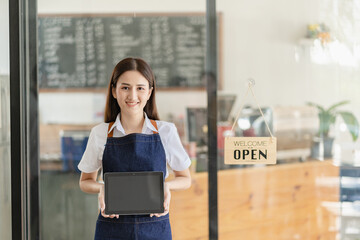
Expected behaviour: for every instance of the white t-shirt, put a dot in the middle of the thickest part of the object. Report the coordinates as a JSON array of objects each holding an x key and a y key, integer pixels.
[{"x": 176, "y": 156}]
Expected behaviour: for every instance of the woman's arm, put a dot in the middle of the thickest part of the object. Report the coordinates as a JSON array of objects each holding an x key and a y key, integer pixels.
[
  {"x": 89, "y": 184},
  {"x": 181, "y": 181}
]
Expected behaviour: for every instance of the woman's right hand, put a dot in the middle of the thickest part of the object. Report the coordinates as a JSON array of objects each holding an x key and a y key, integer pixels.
[{"x": 101, "y": 200}]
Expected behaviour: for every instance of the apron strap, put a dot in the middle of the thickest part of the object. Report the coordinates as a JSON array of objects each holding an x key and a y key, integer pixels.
[
  {"x": 110, "y": 134},
  {"x": 153, "y": 122}
]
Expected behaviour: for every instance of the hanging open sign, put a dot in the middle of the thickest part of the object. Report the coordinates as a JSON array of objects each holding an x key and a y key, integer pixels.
[{"x": 250, "y": 150}]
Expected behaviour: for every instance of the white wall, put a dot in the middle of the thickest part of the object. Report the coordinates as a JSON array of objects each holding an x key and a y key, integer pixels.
[
  {"x": 115, "y": 6},
  {"x": 259, "y": 40},
  {"x": 87, "y": 107},
  {"x": 4, "y": 38}
]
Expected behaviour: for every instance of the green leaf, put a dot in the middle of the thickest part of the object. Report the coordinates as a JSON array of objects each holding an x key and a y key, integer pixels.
[
  {"x": 320, "y": 108},
  {"x": 333, "y": 107},
  {"x": 352, "y": 124},
  {"x": 325, "y": 120}
]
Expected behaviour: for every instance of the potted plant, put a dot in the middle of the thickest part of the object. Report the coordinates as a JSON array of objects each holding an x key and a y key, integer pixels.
[{"x": 322, "y": 143}]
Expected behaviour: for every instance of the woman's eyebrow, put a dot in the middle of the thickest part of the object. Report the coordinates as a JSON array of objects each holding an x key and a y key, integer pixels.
[{"x": 127, "y": 84}]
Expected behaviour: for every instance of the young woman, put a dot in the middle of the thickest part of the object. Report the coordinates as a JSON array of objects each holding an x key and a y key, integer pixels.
[{"x": 122, "y": 143}]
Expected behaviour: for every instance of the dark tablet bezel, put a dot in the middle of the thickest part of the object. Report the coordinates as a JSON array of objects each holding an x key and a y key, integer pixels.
[{"x": 109, "y": 175}]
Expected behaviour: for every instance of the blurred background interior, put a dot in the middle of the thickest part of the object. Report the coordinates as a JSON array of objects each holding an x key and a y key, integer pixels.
[{"x": 298, "y": 52}]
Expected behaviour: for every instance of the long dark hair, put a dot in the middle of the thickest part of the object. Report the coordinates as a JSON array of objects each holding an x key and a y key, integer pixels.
[{"x": 130, "y": 64}]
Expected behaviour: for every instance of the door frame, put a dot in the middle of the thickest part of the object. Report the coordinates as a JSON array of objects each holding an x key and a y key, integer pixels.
[
  {"x": 211, "y": 69},
  {"x": 24, "y": 131}
]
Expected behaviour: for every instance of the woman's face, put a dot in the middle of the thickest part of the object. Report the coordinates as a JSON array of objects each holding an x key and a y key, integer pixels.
[{"x": 132, "y": 92}]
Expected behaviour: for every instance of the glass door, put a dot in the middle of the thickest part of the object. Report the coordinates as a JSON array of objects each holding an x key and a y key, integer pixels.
[
  {"x": 78, "y": 47},
  {"x": 303, "y": 58}
]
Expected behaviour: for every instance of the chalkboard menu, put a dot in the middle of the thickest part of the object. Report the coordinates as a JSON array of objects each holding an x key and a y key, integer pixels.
[{"x": 81, "y": 52}]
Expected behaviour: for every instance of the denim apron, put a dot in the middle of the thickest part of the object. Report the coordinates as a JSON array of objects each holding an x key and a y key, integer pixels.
[{"x": 133, "y": 153}]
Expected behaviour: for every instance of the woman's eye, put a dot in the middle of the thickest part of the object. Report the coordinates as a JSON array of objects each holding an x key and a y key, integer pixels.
[
  {"x": 141, "y": 88},
  {"x": 125, "y": 88}
]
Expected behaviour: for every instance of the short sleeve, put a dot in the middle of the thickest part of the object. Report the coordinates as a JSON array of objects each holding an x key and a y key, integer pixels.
[
  {"x": 177, "y": 158},
  {"x": 90, "y": 161}
]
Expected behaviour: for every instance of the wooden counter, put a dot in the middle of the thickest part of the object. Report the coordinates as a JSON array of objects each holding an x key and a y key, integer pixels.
[{"x": 287, "y": 201}]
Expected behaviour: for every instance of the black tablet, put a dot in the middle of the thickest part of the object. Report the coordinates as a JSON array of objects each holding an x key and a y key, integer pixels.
[{"x": 129, "y": 193}]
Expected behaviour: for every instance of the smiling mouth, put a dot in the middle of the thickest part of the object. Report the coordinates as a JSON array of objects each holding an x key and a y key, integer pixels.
[{"x": 131, "y": 104}]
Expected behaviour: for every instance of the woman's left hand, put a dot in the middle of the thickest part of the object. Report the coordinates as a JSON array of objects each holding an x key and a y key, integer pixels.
[{"x": 167, "y": 197}]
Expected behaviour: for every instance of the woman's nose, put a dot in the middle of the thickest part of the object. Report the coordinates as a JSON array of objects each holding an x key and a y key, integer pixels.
[{"x": 132, "y": 94}]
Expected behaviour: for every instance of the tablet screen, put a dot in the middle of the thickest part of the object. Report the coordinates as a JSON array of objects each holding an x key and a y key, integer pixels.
[{"x": 134, "y": 192}]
